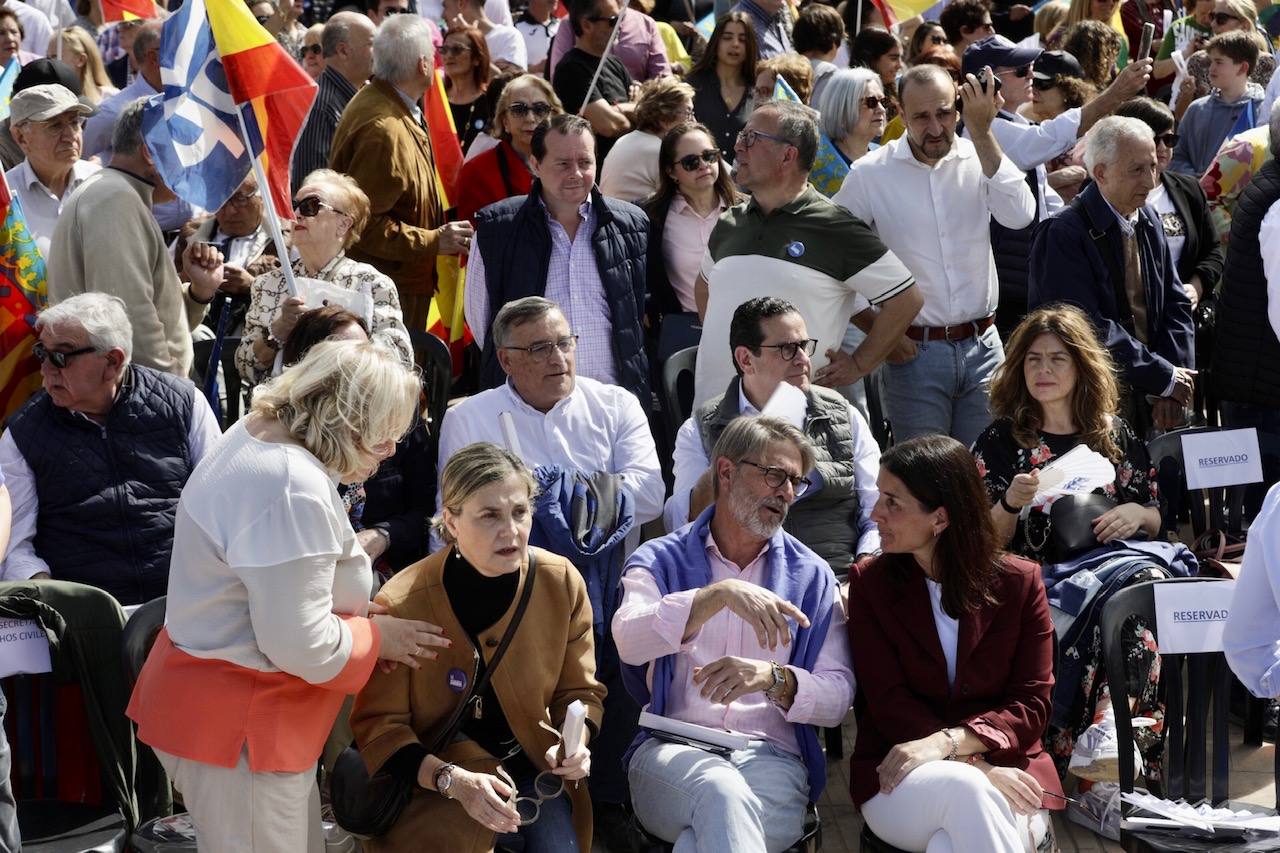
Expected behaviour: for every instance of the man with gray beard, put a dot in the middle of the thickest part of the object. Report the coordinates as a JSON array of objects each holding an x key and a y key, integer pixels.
[{"x": 733, "y": 624}]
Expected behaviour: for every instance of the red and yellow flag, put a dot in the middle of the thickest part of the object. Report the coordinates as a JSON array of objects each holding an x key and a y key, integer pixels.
[
  {"x": 272, "y": 90},
  {"x": 114, "y": 11},
  {"x": 23, "y": 292},
  {"x": 445, "y": 319}
]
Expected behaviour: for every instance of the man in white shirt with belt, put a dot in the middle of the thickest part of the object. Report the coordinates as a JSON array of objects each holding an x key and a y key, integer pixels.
[{"x": 930, "y": 197}]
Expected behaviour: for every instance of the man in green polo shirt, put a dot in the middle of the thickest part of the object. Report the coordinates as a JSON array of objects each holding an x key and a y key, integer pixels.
[{"x": 790, "y": 241}]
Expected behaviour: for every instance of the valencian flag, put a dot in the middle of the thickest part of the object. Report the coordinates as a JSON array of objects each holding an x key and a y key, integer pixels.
[
  {"x": 114, "y": 11},
  {"x": 445, "y": 319},
  {"x": 23, "y": 292}
]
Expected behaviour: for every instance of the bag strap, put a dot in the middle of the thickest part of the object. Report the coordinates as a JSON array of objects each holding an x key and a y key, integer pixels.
[{"x": 478, "y": 685}]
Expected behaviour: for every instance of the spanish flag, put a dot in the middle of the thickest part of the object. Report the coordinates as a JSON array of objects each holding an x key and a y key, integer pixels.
[
  {"x": 23, "y": 292},
  {"x": 115, "y": 11},
  {"x": 273, "y": 92},
  {"x": 445, "y": 319}
]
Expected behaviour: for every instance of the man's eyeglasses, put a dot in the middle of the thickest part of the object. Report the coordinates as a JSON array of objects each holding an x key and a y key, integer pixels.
[
  {"x": 1168, "y": 140},
  {"x": 789, "y": 350},
  {"x": 242, "y": 199},
  {"x": 748, "y": 138},
  {"x": 455, "y": 49},
  {"x": 541, "y": 351},
  {"x": 1224, "y": 18},
  {"x": 691, "y": 162},
  {"x": 59, "y": 359},
  {"x": 596, "y": 19},
  {"x": 309, "y": 49},
  {"x": 540, "y": 109},
  {"x": 1018, "y": 72},
  {"x": 311, "y": 206},
  {"x": 775, "y": 477},
  {"x": 872, "y": 102},
  {"x": 546, "y": 786}
]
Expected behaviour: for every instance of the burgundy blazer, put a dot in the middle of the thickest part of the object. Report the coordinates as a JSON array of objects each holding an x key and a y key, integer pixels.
[{"x": 1004, "y": 671}]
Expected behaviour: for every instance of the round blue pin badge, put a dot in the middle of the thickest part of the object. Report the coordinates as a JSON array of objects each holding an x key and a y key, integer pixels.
[
  {"x": 457, "y": 680},
  {"x": 795, "y": 249}
]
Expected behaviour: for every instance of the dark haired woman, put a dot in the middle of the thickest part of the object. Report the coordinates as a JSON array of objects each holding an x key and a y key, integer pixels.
[
  {"x": 694, "y": 189},
  {"x": 953, "y": 651},
  {"x": 882, "y": 53},
  {"x": 722, "y": 79},
  {"x": 467, "y": 74}
]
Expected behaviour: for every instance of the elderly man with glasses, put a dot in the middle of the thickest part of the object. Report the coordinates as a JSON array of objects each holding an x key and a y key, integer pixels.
[
  {"x": 96, "y": 460},
  {"x": 771, "y": 346},
  {"x": 732, "y": 624}
]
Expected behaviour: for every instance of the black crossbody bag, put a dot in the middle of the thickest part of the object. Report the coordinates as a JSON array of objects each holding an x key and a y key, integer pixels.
[{"x": 369, "y": 806}]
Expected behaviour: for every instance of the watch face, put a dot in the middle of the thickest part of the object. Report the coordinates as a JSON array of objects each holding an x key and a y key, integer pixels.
[{"x": 444, "y": 780}]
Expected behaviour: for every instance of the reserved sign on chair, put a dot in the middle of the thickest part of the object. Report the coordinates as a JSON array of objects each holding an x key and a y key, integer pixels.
[
  {"x": 1226, "y": 457},
  {"x": 1190, "y": 616}
]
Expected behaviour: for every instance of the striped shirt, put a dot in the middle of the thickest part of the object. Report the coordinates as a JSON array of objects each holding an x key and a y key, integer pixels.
[{"x": 312, "y": 151}]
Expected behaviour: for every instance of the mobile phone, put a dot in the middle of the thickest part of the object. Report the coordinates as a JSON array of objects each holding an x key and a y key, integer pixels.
[
  {"x": 983, "y": 81},
  {"x": 1148, "y": 33}
]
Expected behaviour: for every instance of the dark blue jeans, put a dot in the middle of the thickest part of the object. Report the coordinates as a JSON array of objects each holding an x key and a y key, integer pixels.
[{"x": 552, "y": 832}]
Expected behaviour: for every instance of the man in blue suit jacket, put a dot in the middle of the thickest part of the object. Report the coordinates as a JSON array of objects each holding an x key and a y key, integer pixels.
[{"x": 1107, "y": 254}]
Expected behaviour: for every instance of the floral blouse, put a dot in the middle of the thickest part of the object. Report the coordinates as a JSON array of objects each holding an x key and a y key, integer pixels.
[
  {"x": 269, "y": 292},
  {"x": 1000, "y": 458}
]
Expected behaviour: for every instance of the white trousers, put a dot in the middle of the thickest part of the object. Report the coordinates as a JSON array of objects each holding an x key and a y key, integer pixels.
[
  {"x": 235, "y": 810},
  {"x": 946, "y": 806}
]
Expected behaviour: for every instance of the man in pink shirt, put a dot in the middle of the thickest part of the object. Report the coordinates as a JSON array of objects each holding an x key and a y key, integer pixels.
[{"x": 733, "y": 624}]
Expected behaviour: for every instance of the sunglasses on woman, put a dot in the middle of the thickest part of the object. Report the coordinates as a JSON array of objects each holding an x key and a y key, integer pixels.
[
  {"x": 1223, "y": 18},
  {"x": 455, "y": 49},
  {"x": 311, "y": 206},
  {"x": 691, "y": 162},
  {"x": 937, "y": 38},
  {"x": 312, "y": 48},
  {"x": 873, "y": 102},
  {"x": 1044, "y": 84},
  {"x": 1168, "y": 140},
  {"x": 540, "y": 109}
]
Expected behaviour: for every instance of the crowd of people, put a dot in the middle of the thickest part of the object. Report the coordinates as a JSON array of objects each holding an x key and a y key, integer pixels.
[{"x": 844, "y": 286}]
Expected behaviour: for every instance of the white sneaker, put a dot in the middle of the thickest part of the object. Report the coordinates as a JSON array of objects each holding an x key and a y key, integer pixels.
[{"x": 1096, "y": 756}]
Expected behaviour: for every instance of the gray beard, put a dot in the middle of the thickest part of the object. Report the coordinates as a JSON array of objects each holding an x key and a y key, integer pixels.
[{"x": 745, "y": 511}]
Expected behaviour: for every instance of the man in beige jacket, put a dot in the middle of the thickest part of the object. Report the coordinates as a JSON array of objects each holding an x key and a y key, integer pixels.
[{"x": 108, "y": 241}]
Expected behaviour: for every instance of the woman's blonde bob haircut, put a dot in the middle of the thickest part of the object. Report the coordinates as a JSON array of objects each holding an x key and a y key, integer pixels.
[
  {"x": 350, "y": 199},
  {"x": 342, "y": 400},
  {"x": 1095, "y": 398},
  {"x": 470, "y": 470}
]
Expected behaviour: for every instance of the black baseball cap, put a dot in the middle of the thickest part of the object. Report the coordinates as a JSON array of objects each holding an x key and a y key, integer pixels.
[
  {"x": 1057, "y": 63},
  {"x": 997, "y": 52},
  {"x": 43, "y": 71}
]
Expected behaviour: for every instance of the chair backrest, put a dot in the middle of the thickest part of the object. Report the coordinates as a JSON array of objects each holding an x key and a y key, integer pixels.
[
  {"x": 1189, "y": 696},
  {"x": 139, "y": 635},
  {"x": 677, "y": 389},
  {"x": 1227, "y": 508},
  {"x": 436, "y": 363},
  {"x": 881, "y": 429}
]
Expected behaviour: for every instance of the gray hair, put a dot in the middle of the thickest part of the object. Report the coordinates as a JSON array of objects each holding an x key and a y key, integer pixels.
[
  {"x": 126, "y": 137},
  {"x": 839, "y": 102},
  {"x": 517, "y": 312},
  {"x": 102, "y": 316},
  {"x": 798, "y": 124},
  {"x": 337, "y": 30},
  {"x": 1102, "y": 143},
  {"x": 148, "y": 37},
  {"x": 400, "y": 44},
  {"x": 747, "y": 437}
]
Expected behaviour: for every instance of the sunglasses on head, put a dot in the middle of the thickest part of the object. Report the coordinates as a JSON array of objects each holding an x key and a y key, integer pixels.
[
  {"x": 612, "y": 19},
  {"x": 691, "y": 162},
  {"x": 311, "y": 206},
  {"x": 872, "y": 102},
  {"x": 540, "y": 109},
  {"x": 1223, "y": 18},
  {"x": 312, "y": 48},
  {"x": 59, "y": 359}
]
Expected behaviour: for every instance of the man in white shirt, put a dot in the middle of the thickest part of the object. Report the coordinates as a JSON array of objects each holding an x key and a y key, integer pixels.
[
  {"x": 95, "y": 462},
  {"x": 930, "y": 196},
  {"x": 506, "y": 45},
  {"x": 538, "y": 25},
  {"x": 771, "y": 346},
  {"x": 47, "y": 124}
]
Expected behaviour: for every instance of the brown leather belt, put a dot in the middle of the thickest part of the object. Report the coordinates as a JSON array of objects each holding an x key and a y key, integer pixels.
[{"x": 958, "y": 332}]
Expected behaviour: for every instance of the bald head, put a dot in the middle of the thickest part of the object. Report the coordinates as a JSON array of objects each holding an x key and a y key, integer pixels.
[{"x": 347, "y": 45}]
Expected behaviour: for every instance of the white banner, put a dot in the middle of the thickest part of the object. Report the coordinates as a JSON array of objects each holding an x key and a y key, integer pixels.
[
  {"x": 1190, "y": 616},
  {"x": 24, "y": 648},
  {"x": 1227, "y": 457}
]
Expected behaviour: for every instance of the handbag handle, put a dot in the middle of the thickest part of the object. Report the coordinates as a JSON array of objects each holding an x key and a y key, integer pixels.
[{"x": 478, "y": 685}]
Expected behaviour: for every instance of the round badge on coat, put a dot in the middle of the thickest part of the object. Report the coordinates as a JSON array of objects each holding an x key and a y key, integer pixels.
[
  {"x": 457, "y": 680},
  {"x": 795, "y": 249}
]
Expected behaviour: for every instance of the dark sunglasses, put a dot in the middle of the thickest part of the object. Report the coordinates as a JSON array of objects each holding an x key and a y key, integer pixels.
[
  {"x": 312, "y": 48},
  {"x": 59, "y": 359},
  {"x": 690, "y": 162},
  {"x": 1044, "y": 84},
  {"x": 1019, "y": 72},
  {"x": 1222, "y": 18},
  {"x": 871, "y": 102},
  {"x": 262, "y": 19},
  {"x": 1168, "y": 140},
  {"x": 612, "y": 19},
  {"x": 540, "y": 109},
  {"x": 455, "y": 49},
  {"x": 311, "y": 206}
]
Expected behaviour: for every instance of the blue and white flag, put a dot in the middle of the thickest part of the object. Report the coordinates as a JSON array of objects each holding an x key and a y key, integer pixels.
[{"x": 190, "y": 126}]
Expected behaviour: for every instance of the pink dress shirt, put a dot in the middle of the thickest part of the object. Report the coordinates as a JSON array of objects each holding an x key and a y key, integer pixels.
[
  {"x": 648, "y": 626},
  {"x": 684, "y": 245}
]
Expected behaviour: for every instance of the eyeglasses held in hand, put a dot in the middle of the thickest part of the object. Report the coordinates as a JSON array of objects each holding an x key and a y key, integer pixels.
[
  {"x": 546, "y": 786},
  {"x": 775, "y": 477},
  {"x": 540, "y": 109},
  {"x": 311, "y": 206},
  {"x": 541, "y": 351},
  {"x": 455, "y": 49},
  {"x": 691, "y": 162},
  {"x": 871, "y": 102},
  {"x": 59, "y": 359},
  {"x": 789, "y": 350},
  {"x": 748, "y": 138}
]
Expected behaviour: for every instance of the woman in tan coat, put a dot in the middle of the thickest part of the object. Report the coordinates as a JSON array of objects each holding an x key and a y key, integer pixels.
[{"x": 463, "y": 799}]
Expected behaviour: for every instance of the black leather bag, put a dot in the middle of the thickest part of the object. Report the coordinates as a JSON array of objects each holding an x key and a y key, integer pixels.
[
  {"x": 368, "y": 807},
  {"x": 1071, "y": 525}
]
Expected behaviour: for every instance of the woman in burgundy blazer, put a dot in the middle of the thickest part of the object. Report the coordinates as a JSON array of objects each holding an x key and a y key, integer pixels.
[{"x": 953, "y": 652}]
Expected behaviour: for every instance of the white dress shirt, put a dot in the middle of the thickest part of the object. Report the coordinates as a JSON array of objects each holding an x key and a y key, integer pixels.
[
  {"x": 39, "y": 205},
  {"x": 1269, "y": 240},
  {"x": 21, "y": 560},
  {"x": 598, "y": 427},
  {"x": 690, "y": 460},
  {"x": 507, "y": 45},
  {"x": 1251, "y": 637},
  {"x": 949, "y": 254},
  {"x": 1030, "y": 146}
]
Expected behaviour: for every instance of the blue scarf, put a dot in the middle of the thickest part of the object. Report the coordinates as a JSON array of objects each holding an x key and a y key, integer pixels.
[{"x": 678, "y": 562}]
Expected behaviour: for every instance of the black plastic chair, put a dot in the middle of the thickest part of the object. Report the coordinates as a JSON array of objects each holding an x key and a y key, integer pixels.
[
  {"x": 881, "y": 429},
  {"x": 436, "y": 363},
  {"x": 1196, "y": 690},
  {"x": 869, "y": 842},
  {"x": 50, "y": 826},
  {"x": 809, "y": 842},
  {"x": 139, "y": 635},
  {"x": 230, "y": 374},
  {"x": 677, "y": 390}
]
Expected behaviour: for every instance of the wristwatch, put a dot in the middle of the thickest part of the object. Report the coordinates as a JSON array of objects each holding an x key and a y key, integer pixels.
[
  {"x": 271, "y": 341},
  {"x": 774, "y": 692},
  {"x": 442, "y": 780}
]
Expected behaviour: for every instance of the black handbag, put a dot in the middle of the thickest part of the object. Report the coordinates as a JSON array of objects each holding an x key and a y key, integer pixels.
[
  {"x": 1071, "y": 525},
  {"x": 368, "y": 807}
]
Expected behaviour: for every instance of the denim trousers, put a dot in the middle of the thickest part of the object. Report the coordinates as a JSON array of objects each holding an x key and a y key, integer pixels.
[
  {"x": 752, "y": 801},
  {"x": 943, "y": 390}
]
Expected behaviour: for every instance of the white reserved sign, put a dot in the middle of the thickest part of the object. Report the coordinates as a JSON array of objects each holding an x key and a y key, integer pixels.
[
  {"x": 1228, "y": 457},
  {"x": 1190, "y": 616},
  {"x": 24, "y": 648}
]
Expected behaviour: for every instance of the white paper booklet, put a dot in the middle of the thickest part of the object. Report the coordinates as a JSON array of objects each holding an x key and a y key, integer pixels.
[{"x": 692, "y": 731}]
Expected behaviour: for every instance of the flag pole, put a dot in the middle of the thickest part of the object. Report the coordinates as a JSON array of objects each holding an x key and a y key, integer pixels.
[
  {"x": 58, "y": 56},
  {"x": 608, "y": 48},
  {"x": 857, "y": 23},
  {"x": 273, "y": 218}
]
